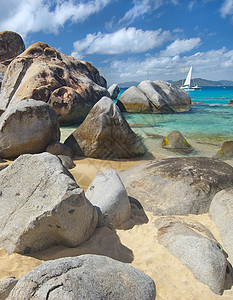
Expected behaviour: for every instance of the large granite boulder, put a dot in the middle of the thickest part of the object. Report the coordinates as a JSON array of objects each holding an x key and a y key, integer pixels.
[
  {"x": 41, "y": 69},
  {"x": 177, "y": 143},
  {"x": 108, "y": 195},
  {"x": 225, "y": 152},
  {"x": 134, "y": 101},
  {"x": 105, "y": 134},
  {"x": 163, "y": 97},
  {"x": 6, "y": 286},
  {"x": 177, "y": 186},
  {"x": 89, "y": 277},
  {"x": 196, "y": 248},
  {"x": 221, "y": 212},
  {"x": 27, "y": 127},
  {"x": 42, "y": 206},
  {"x": 114, "y": 90},
  {"x": 11, "y": 45}
]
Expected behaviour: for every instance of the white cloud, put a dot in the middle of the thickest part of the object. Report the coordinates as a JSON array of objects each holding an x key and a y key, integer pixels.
[
  {"x": 39, "y": 15},
  {"x": 125, "y": 40},
  {"x": 181, "y": 46},
  {"x": 213, "y": 65},
  {"x": 227, "y": 8}
]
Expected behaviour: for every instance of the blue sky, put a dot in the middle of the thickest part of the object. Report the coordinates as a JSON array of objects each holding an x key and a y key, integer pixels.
[{"x": 132, "y": 40}]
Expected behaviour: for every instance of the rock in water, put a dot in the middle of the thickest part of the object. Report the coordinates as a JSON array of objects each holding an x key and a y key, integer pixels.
[
  {"x": 42, "y": 206},
  {"x": 41, "y": 72},
  {"x": 176, "y": 142},
  {"x": 197, "y": 249},
  {"x": 221, "y": 212},
  {"x": 158, "y": 97},
  {"x": 179, "y": 186},
  {"x": 133, "y": 100},
  {"x": 108, "y": 194},
  {"x": 226, "y": 151},
  {"x": 105, "y": 134},
  {"x": 114, "y": 90},
  {"x": 27, "y": 127},
  {"x": 89, "y": 277}
]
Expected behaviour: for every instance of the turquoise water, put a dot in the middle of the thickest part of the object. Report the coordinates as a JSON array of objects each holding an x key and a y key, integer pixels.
[{"x": 209, "y": 122}]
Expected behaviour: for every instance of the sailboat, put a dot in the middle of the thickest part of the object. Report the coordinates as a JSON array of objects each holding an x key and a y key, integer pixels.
[{"x": 187, "y": 84}]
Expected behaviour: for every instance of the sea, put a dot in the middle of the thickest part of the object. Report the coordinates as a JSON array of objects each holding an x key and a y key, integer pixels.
[{"x": 210, "y": 122}]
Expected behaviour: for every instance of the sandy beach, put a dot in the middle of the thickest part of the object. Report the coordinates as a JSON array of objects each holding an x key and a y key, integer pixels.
[{"x": 134, "y": 242}]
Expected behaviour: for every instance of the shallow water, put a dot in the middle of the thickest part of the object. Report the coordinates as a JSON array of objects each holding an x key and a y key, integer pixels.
[{"x": 209, "y": 124}]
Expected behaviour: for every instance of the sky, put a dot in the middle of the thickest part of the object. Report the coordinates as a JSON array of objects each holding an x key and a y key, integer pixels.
[{"x": 132, "y": 40}]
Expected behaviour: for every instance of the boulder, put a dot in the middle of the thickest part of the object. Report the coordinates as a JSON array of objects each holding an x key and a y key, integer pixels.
[
  {"x": 41, "y": 69},
  {"x": 196, "y": 248},
  {"x": 58, "y": 148},
  {"x": 6, "y": 286},
  {"x": 230, "y": 102},
  {"x": 89, "y": 277},
  {"x": 67, "y": 161},
  {"x": 105, "y": 134},
  {"x": 134, "y": 101},
  {"x": 178, "y": 185},
  {"x": 165, "y": 97},
  {"x": 221, "y": 212},
  {"x": 225, "y": 151},
  {"x": 27, "y": 127},
  {"x": 42, "y": 206},
  {"x": 114, "y": 90},
  {"x": 11, "y": 45},
  {"x": 108, "y": 195},
  {"x": 177, "y": 143},
  {"x": 3, "y": 69}
]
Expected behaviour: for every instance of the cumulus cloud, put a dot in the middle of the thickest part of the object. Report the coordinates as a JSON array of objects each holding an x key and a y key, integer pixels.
[
  {"x": 125, "y": 40},
  {"x": 45, "y": 15},
  {"x": 213, "y": 64},
  {"x": 227, "y": 8},
  {"x": 181, "y": 46}
]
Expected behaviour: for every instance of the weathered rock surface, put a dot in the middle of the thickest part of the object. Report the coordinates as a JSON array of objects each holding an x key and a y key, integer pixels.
[
  {"x": 27, "y": 127},
  {"x": 114, "y": 90},
  {"x": 58, "y": 148},
  {"x": 178, "y": 185},
  {"x": 177, "y": 143},
  {"x": 11, "y": 45},
  {"x": 226, "y": 151},
  {"x": 133, "y": 100},
  {"x": 6, "y": 286},
  {"x": 108, "y": 194},
  {"x": 163, "y": 97},
  {"x": 196, "y": 248},
  {"x": 41, "y": 69},
  {"x": 105, "y": 134},
  {"x": 41, "y": 206},
  {"x": 221, "y": 212},
  {"x": 67, "y": 161},
  {"x": 89, "y": 277}
]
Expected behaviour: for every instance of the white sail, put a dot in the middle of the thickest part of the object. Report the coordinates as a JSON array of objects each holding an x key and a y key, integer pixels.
[{"x": 187, "y": 82}]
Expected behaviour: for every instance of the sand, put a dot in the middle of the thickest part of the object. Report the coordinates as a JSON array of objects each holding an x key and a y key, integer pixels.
[{"x": 134, "y": 243}]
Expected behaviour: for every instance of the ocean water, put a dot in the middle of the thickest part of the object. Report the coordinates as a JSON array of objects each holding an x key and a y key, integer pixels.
[{"x": 210, "y": 121}]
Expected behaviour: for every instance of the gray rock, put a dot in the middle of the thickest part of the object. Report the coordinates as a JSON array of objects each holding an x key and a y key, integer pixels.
[
  {"x": 27, "y": 127},
  {"x": 89, "y": 277},
  {"x": 41, "y": 206},
  {"x": 198, "y": 251},
  {"x": 165, "y": 97},
  {"x": 67, "y": 161},
  {"x": 221, "y": 212},
  {"x": 108, "y": 194},
  {"x": 177, "y": 143},
  {"x": 181, "y": 185},
  {"x": 133, "y": 100},
  {"x": 6, "y": 286},
  {"x": 58, "y": 148},
  {"x": 114, "y": 90},
  {"x": 105, "y": 134},
  {"x": 226, "y": 151}
]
